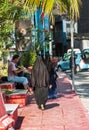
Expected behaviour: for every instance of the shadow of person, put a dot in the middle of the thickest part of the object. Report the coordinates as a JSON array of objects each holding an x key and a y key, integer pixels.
[{"x": 49, "y": 106}]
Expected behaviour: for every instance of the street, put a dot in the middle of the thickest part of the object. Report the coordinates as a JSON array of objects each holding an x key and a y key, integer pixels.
[{"x": 81, "y": 83}]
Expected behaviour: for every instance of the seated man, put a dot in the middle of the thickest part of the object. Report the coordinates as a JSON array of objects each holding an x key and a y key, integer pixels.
[{"x": 13, "y": 73}]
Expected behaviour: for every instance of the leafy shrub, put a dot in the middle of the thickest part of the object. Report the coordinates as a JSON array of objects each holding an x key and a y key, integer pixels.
[{"x": 28, "y": 58}]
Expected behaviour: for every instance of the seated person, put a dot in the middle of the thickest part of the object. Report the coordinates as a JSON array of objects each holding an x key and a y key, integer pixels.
[{"x": 13, "y": 73}]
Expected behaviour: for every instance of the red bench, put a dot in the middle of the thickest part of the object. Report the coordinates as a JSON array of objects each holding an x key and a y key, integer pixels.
[
  {"x": 7, "y": 85},
  {"x": 18, "y": 96},
  {"x": 5, "y": 120},
  {"x": 12, "y": 110}
]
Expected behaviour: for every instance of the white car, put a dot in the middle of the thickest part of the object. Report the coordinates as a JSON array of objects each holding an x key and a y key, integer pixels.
[{"x": 76, "y": 50}]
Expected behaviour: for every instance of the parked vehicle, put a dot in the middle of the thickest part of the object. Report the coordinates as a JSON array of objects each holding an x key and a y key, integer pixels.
[
  {"x": 85, "y": 50},
  {"x": 76, "y": 50},
  {"x": 85, "y": 54},
  {"x": 64, "y": 63}
]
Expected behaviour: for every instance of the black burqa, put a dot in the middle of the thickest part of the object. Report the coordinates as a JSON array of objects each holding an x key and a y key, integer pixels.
[{"x": 40, "y": 81}]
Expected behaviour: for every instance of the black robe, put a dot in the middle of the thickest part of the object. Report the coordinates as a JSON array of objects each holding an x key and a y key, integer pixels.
[{"x": 40, "y": 81}]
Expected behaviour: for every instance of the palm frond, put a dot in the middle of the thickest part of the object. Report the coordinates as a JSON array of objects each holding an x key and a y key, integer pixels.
[{"x": 12, "y": 9}]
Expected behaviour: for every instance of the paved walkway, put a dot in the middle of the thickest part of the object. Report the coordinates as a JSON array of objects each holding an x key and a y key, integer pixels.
[{"x": 64, "y": 113}]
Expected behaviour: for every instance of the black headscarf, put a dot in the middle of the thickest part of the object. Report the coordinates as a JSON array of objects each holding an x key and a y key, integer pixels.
[
  {"x": 40, "y": 75},
  {"x": 48, "y": 64}
]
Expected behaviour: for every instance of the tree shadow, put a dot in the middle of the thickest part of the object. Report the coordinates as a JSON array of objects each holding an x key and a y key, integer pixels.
[{"x": 18, "y": 122}]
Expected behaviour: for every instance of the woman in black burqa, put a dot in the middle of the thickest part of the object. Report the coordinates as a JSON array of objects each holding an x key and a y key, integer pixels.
[{"x": 40, "y": 82}]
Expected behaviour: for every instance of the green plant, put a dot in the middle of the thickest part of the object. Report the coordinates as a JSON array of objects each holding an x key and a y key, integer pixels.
[
  {"x": 8, "y": 91},
  {"x": 32, "y": 55},
  {"x": 28, "y": 58}
]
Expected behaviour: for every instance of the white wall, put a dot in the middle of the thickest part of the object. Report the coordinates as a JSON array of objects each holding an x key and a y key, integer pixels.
[{"x": 85, "y": 44}]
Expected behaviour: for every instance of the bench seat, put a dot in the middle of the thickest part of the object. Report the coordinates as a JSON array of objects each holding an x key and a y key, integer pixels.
[{"x": 12, "y": 110}]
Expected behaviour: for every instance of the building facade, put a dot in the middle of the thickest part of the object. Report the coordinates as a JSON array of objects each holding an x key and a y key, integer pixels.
[
  {"x": 62, "y": 34},
  {"x": 83, "y": 25},
  {"x": 83, "y": 22}
]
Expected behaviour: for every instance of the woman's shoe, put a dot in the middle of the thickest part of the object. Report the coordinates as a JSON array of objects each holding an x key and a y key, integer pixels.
[{"x": 42, "y": 107}]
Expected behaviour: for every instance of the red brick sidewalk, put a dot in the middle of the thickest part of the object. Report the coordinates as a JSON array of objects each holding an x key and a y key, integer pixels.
[{"x": 64, "y": 113}]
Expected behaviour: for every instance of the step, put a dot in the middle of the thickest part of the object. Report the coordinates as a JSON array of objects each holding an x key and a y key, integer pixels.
[
  {"x": 12, "y": 110},
  {"x": 18, "y": 96},
  {"x": 7, "y": 85}
]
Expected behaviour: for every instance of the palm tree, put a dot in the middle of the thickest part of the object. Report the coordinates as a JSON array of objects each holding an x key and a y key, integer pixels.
[{"x": 69, "y": 7}]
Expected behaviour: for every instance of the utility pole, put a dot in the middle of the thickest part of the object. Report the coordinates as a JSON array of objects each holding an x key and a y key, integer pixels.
[
  {"x": 51, "y": 40},
  {"x": 72, "y": 55}
]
